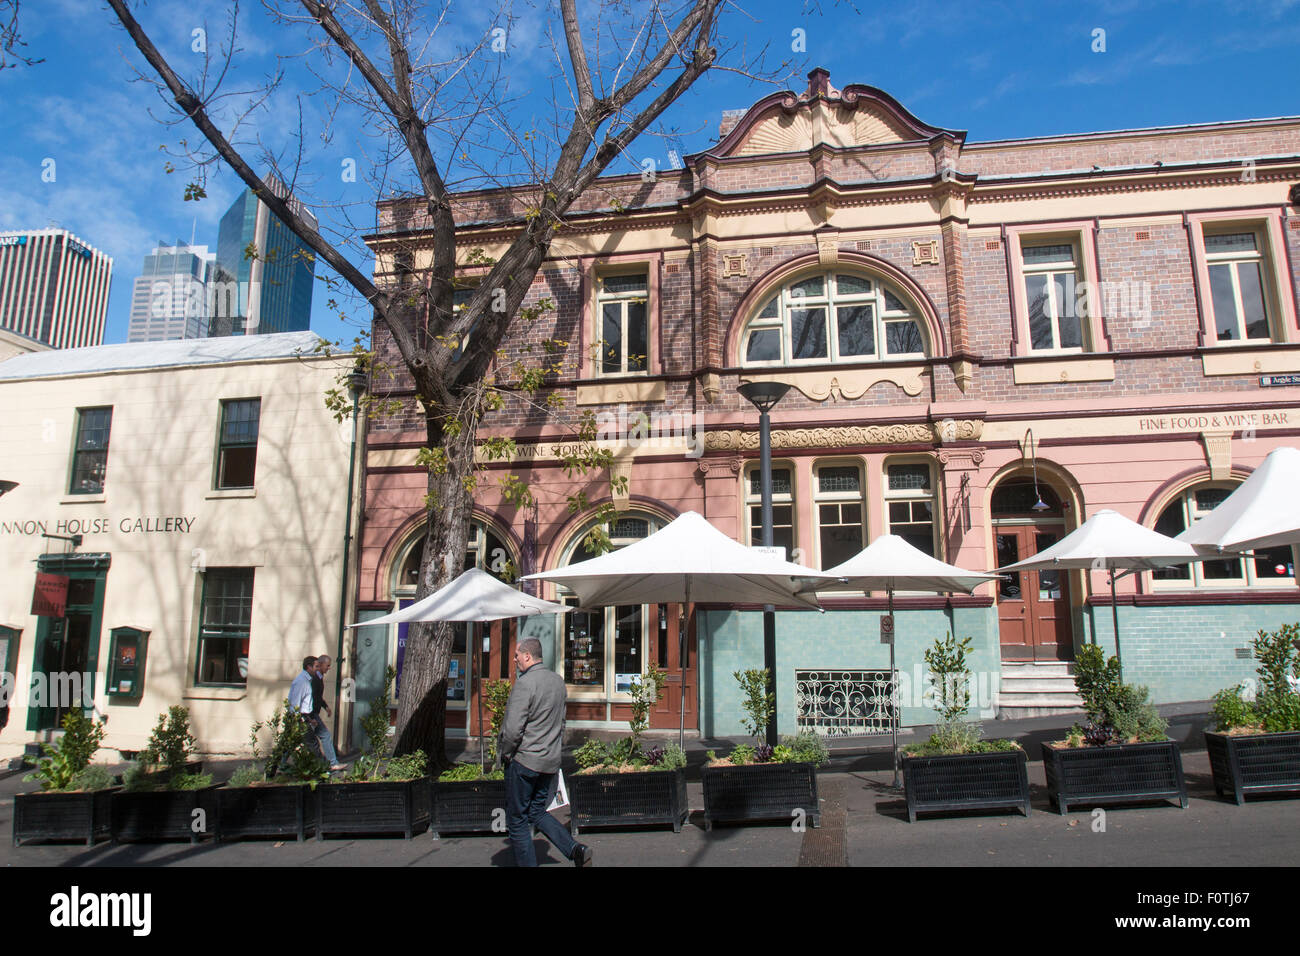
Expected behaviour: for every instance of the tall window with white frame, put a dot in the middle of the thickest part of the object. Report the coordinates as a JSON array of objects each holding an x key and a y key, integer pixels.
[
  {"x": 1270, "y": 567},
  {"x": 1051, "y": 274},
  {"x": 782, "y": 507},
  {"x": 840, "y": 513},
  {"x": 910, "y": 504},
  {"x": 622, "y": 304},
  {"x": 225, "y": 626},
  {"x": 1236, "y": 267},
  {"x": 90, "y": 455},
  {"x": 237, "y": 449}
]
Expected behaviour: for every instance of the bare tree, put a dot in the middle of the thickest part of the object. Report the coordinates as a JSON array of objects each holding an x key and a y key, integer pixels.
[
  {"x": 619, "y": 67},
  {"x": 11, "y": 41}
]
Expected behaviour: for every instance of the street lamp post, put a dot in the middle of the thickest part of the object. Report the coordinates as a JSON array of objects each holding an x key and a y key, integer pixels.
[
  {"x": 764, "y": 396},
  {"x": 356, "y": 388}
]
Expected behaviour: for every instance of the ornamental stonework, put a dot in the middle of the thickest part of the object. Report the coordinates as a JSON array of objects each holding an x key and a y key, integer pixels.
[{"x": 736, "y": 440}]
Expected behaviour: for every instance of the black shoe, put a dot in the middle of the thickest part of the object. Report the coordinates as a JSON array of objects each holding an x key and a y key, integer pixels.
[{"x": 581, "y": 855}]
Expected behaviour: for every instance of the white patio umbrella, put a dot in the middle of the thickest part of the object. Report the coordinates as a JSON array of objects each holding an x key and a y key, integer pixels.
[
  {"x": 474, "y": 597},
  {"x": 686, "y": 560},
  {"x": 1262, "y": 512},
  {"x": 1110, "y": 542},
  {"x": 891, "y": 563}
]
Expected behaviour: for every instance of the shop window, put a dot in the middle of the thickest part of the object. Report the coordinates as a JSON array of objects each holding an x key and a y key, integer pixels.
[
  {"x": 90, "y": 454},
  {"x": 838, "y": 505},
  {"x": 224, "y": 626},
  {"x": 622, "y": 323},
  {"x": 1270, "y": 567},
  {"x": 783, "y": 531},
  {"x": 604, "y": 648},
  {"x": 833, "y": 317},
  {"x": 237, "y": 452},
  {"x": 910, "y": 504},
  {"x": 1235, "y": 264}
]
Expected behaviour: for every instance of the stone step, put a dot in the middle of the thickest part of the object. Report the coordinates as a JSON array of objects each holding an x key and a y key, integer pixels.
[
  {"x": 1037, "y": 685},
  {"x": 1022, "y": 713},
  {"x": 1039, "y": 699},
  {"x": 1038, "y": 669}
]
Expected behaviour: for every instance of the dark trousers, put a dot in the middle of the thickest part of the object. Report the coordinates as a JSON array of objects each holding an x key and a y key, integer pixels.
[{"x": 528, "y": 794}]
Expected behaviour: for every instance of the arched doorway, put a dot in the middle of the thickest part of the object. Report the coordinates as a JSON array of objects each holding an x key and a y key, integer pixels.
[{"x": 1033, "y": 606}]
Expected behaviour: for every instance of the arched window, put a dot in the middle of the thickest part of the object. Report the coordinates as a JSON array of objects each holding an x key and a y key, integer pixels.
[
  {"x": 604, "y": 650},
  {"x": 833, "y": 316},
  {"x": 483, "y": 550},
  {"x": 1270, "y": 567}
]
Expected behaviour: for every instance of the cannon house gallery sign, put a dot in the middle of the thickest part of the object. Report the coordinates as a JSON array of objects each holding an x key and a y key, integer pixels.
[{"x": 126, "y": 524}]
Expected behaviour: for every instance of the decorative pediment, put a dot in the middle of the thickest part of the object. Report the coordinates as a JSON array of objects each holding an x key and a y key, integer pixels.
[{"x": 855, "y": 116}]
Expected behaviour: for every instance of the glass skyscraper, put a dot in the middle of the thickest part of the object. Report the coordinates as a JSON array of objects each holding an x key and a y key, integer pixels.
[
  {"x": 169, "y": 299},
  {"x": 264, "y": 273}
]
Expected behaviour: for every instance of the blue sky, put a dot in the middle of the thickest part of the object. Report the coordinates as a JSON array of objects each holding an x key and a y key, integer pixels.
[{"x": 995, "y": 69}]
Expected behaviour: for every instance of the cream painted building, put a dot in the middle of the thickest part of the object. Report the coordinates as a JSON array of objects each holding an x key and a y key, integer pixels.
[{"x": 187, "y": 500}]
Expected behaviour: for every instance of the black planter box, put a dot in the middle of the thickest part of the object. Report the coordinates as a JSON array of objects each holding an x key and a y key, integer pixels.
[
  {"x": 1254, "y": 763},
  {"x": 1118, "y": 773},
  {"x": 645, "y": 798},
  {"x": 764, "y": 791},
  {"x": 83, "y": 817},
  {"x": 470, "y": 806},
  {"x": 265, "y": 811},
  {"x": 156, "y": 816},
  {"x": 984, "y": 781},
  {"x": 386, "y": 806}
]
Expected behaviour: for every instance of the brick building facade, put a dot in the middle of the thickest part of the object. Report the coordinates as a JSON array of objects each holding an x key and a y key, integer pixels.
[{"x": 986, "y": 343}]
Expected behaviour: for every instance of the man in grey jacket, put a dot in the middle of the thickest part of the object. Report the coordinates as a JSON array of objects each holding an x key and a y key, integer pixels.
[{"x": 531, "y": 738}]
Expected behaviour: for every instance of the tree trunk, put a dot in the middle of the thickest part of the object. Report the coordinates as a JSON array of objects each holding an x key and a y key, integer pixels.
[{"x": 422, "y": 696}]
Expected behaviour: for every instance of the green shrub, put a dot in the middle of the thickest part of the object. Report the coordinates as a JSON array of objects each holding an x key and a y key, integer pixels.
[
  {"x": 291, "y": 753},
  {"x": 67, "y": 757},
  {"x": 758, "y": 704},
  {"x": 674, "y": 757},
  {"x": 803, "y": 747},
  {"x": 1117, "y": 712},
  {"x": 496, "y": 695},
  {"x": 742, "y": 755},
  {"x": 190, "y": 781},
  {"x": 644, "y": 693},
  {"x": 409, "y": 767},
  {"x": 94, "y": 777},
  {"x": 951, "y": 676},
  {"x": 171, "y": 744},
  {"x": 1230, "y": 710},
  {"x": 1277, "y": 702},
  {"x": 593, "y": 753},
  {"x": 245, "y": 776},
  {"x": 468, "y": 772}
]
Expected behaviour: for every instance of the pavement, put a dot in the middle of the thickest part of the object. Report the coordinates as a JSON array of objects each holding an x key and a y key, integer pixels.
[{"x": 864, "y": 823}]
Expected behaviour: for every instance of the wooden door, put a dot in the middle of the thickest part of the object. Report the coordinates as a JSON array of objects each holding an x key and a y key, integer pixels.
[
  {"x": 679, "y": 660},
  {"x": 1033, "y": 606}
]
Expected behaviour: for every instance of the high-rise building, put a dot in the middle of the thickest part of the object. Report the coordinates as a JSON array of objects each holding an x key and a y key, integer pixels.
[
  {"x": 170, "y": 298},
  {"x": 53, "y": 287},
  {"x": 271, "y": 290}
]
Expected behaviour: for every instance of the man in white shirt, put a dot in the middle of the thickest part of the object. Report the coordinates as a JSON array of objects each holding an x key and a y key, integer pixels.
[{"x": 300, "y": 696}]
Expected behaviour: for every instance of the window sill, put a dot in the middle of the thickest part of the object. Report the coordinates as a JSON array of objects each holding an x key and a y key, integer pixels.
[
  {"x": 231, "y": 493},
  {"x": 1058, "y": 367},
  {"x": 1234, "y": 359},
  {"x": 623, "y": 390},
  {"x": 83, "y": 499},
  {"x": 215, "y": 693}
]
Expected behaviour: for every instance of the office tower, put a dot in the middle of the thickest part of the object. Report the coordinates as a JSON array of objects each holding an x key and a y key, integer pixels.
[
  {"x": 53, "y": 287},
  {"x": 169, "y": 300},
  {"x": 272, "y": 291}
]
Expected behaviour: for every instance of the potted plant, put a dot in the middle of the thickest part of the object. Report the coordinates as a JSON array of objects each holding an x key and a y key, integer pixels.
[
  {"x": 74, "y": 799},
  {"x": 1257, "y": 745},
  {"x": 955, "y": 769},
  {"x": 467, "y": 798},
  {"x": 159, "y": 799},
  {"x": 762, "y": 782},
  {"x": 626, "y": 784},
  {"x": 383, "y": 793},
  {"x": 274, "y": 796},
  {"x": 1123, "y": 753}
]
